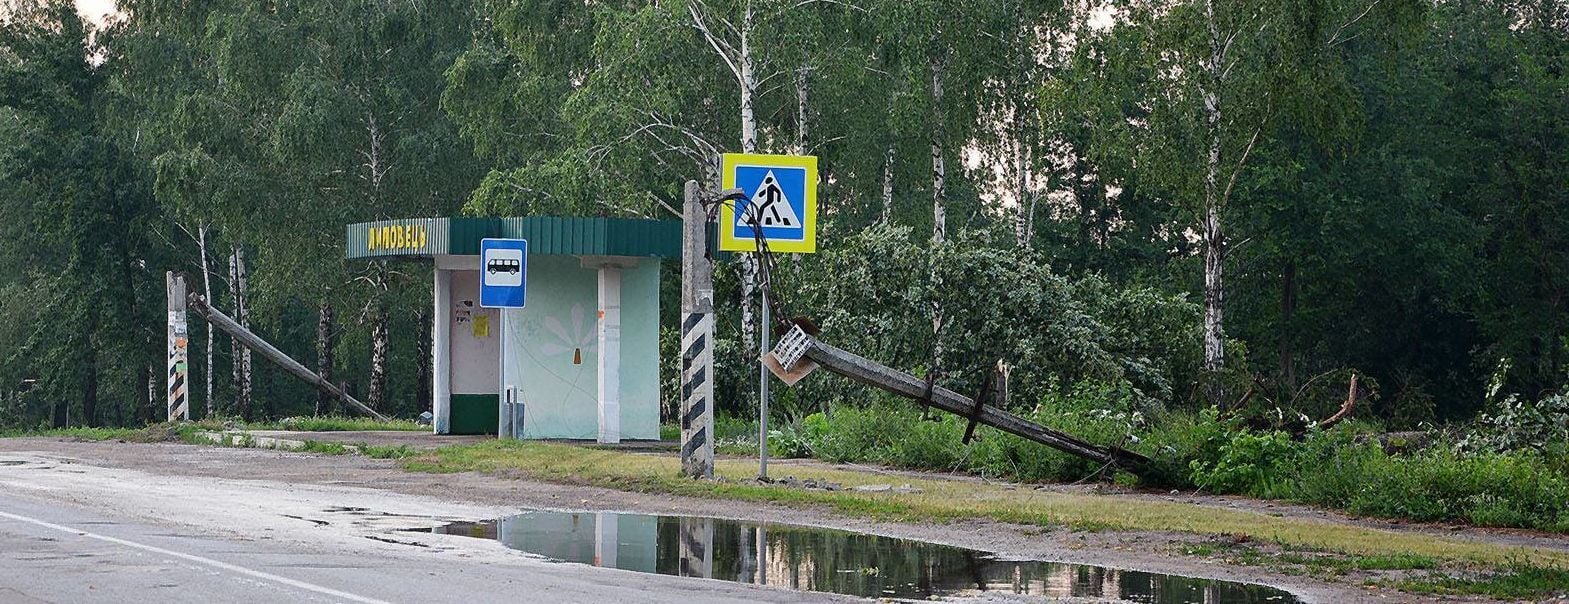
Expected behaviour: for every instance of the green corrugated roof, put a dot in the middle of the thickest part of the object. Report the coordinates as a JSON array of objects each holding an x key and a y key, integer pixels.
[{"x": 547, "y": 235}]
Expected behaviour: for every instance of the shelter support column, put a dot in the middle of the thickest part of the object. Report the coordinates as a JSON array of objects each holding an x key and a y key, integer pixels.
[
  {"x": 609, "y": 369},
  {"x": 441, "y": 352}
]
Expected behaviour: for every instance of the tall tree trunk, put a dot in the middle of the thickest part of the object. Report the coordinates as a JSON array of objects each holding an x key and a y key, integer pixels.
[
  {"x": 888, "y": 185},
  {"x": 802, "y": 82},
  {"x": 89, "y": 373},
  {"x": 1213, "y": 236},
  {"x": 423, "y": 388},
  {"x": 939, "y": 206},
  {"x": 62, "y": 413},
  {"x": 748, "y": 145},
  {"x": 377, "y": 395},
  {"x": 239, "y": 294},
  {"x": 939, "y": 167},
  {"x": 1288, "y": 309},
  {"x": 201, "y": 243},
  {"x": 1023, "y": 195},
  {"x": 154, "y": 402},
  {"x": 234, "y": 344},
  {"x": 324, "y": 344}
]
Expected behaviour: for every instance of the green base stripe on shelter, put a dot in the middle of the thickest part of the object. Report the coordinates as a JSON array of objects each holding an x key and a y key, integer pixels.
[{"x": 474, "y": 414}]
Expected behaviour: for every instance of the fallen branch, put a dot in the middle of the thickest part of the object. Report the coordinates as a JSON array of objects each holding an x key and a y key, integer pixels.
[{"x": 1345, "y": 409}]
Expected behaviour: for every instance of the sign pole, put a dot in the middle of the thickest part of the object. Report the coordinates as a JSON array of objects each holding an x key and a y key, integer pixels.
[
  {"x": 178, "y": 339},
  {"x": 503, "y": 285},
  {"x": 762, "y": 393},
  {"x": 697, "y": 336}
]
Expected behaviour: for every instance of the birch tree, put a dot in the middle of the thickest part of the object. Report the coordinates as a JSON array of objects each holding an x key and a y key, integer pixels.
[{"x": 1220, "y": 76}]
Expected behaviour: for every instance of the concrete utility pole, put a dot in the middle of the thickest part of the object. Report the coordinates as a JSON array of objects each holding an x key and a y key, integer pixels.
[
  {"x": 251, "y": 341},
  {"x": 800, "y": 347},
  {"x": 697, "y": 339},
  {"x": 179, "y": 352}
]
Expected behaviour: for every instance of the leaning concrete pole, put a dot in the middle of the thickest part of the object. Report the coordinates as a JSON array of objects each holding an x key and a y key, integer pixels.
[
  {"x": 179, "y": 351},
  {"x": 697, "y": 339}
]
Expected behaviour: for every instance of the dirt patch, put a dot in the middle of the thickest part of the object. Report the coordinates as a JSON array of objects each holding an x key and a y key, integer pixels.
[{"x": 1151, "y": 551}]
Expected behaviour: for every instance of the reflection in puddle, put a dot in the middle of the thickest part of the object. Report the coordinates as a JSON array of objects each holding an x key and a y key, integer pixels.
[{"x": 828, "y": 560}]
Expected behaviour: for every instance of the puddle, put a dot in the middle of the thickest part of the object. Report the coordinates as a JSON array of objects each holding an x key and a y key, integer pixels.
[{"x": 827, "y": 560}]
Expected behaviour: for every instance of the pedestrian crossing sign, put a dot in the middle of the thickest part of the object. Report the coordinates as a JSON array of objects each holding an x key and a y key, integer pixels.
[{"x": 781, "y": 199}]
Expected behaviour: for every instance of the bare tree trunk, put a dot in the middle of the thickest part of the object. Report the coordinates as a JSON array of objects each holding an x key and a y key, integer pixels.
[
  {"x": 1288, "y": 308},
  {"x": 324, "y": 361},
  {"x": 1213, "y": 236},
  {"x": 748, "y": 145},
  {"x": 376, "y": 398},
  {"x": 234, "y": 345},
  {"x": 150, "y": 387},
  {"x": 89, "y": 372},
  {"x": 888, "y": 185},
  {"x": 802, "y": 82},
  {"x": 1023, "y": 195},
  {"x": 939, "y": 168},
  {"x": 939, "y": 207},
  {"x": 201, "y": 243},
  {"x": 422, "y": 391},
  {"x": 239, "y": 290}
]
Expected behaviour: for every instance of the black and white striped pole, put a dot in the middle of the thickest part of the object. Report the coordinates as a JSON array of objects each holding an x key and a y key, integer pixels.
[
  {"x": 178, "y": 339},
  {"x": 697, "y": 339}
]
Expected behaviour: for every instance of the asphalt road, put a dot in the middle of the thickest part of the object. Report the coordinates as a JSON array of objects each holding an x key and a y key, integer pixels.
[{"x": 73, "y": 533}]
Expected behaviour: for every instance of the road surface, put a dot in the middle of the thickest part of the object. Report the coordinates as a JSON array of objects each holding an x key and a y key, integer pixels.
[{"x": 76, "y": 533}]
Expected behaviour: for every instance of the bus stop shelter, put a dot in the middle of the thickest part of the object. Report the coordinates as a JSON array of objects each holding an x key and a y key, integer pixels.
[{"x": 582, "y": 357}]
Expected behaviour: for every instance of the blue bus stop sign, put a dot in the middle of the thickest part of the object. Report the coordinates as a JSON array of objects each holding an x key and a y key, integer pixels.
[{"x": 503, "y": 272}]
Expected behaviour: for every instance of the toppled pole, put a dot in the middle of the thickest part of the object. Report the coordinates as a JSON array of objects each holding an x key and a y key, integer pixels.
[
  {"x": 260, "y": 346},
  {"x": 874, "y": 374}
]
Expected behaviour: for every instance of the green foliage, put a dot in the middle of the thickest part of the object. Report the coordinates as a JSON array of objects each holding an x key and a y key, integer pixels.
[
  {"x": 1249, "y": 463},
  {"x": 1439, "y": 483},
  {"x": 998, "y": 303},
  {"x": 1519, "y": 425}
]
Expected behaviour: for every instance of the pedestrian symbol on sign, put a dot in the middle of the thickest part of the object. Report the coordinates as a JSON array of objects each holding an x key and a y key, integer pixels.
[
  {"x": 780, "y": 203},
  {"x": 770, "y": 206}
]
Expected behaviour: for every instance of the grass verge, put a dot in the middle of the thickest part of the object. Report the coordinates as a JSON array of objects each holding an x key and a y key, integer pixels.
[
  {"x": 332, "y": 423},
  {"x": 943, "y": 500},
  {"x": 1514, "y": 582}
]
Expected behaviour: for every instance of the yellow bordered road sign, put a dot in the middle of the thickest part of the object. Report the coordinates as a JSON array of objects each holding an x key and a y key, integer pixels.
[{"x": 781, "y": 194}]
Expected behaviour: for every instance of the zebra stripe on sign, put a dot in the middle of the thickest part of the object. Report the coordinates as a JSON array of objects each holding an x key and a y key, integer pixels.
[{"x": 697, "y": 393}]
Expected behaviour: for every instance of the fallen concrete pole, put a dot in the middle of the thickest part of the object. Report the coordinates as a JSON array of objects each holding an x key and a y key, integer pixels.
[
  {"x": 260, "y": 346},
  {"x": 874, "y": 374}
]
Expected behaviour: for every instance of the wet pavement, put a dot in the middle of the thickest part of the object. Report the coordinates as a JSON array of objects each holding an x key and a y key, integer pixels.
[{"x": 828, "y": 560}]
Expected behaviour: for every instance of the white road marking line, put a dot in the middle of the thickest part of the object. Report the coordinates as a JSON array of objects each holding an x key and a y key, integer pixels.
[{"x": 327, "y": 591}]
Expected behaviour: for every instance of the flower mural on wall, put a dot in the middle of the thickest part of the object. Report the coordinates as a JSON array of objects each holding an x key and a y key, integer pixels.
[{"x": 570, "y": 343}]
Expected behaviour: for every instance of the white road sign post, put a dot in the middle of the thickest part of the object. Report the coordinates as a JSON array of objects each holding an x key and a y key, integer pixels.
[
  {"x": 781, "y": 202},
  {"x": 503, "y": 284}
]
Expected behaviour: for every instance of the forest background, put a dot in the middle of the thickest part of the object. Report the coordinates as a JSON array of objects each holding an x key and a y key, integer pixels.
[{"x": 1147, "y": 207}]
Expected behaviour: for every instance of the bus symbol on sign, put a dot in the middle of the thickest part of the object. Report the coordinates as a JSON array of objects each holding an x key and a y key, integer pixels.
[
  {"x": 503, "y": 273},
  {"x": 504, "y": 265}
]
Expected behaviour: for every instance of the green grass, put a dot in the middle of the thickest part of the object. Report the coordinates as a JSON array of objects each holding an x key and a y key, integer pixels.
[
  {"x": 91, "y": 434},
  {"x": 946, "y": 500},
  {"x": 1296, "y": 560},
  {"x": 160, "y": 432},
  {"x": 1515, "y": 582},
  {"x": 332, "y": 423}
]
